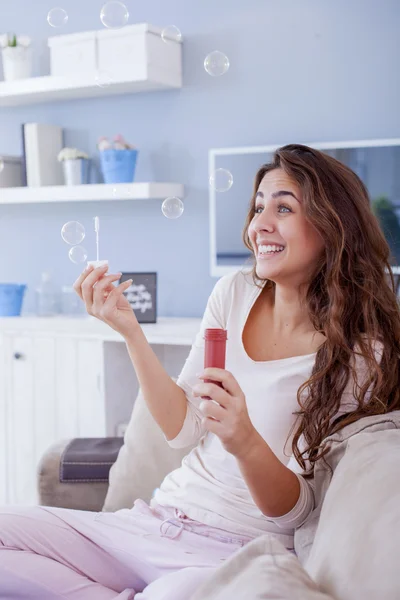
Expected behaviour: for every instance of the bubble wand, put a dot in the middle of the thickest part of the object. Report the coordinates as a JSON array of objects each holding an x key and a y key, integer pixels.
[
  {"x": 97, "y": 263},
  {"x": 97, "y": 229}
]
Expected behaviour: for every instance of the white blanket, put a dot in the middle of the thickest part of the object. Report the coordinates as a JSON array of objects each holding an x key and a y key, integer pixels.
[{"x": 350, "y": 545}]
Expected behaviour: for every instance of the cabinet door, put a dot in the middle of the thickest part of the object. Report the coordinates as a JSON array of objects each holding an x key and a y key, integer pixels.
[
  {"x": 3, "y": 422},
  {"x": 53, "y": 390},
  {"x": 31, "y": 412},
  {"x": 90, "y": 397},
  {"x": 80, "y": 388}
]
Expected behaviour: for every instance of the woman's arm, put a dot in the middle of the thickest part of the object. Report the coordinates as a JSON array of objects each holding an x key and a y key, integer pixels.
[
  {"x": 165, "y": 399},
  {"x": 280, "y": 493},
  {"x": 214, "y": 316}
]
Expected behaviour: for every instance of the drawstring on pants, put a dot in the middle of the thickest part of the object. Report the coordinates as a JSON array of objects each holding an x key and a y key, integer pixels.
[{"x": 177, "y": 520}]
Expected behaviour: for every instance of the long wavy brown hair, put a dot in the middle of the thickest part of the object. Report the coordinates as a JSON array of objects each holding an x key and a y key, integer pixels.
[{"x": 350, "y": 298}]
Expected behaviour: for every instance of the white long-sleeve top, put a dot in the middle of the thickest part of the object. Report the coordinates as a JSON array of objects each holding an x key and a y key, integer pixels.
[{"x": 208, "y": 486}]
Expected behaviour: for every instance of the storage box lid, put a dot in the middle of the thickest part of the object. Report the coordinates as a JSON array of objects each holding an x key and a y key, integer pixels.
[
  {"x": 71, "y": 38},
  {"x": 136, "y": 29},
  {"x": 10, "y": 159}
]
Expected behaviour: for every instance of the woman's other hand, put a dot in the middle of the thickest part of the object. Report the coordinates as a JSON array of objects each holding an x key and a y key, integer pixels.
[
  {"x": 105, "y": 301},
  {"x": 227, "y": 416}
]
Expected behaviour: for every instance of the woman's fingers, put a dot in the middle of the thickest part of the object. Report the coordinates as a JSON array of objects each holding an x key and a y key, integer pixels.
[
  {"x": 78, "y": 283},
  {"x": 102, "y": 288},
  {"x": 89, "y": 280},
  {"x": 211, "y": 391},
  {"x": 212, "y": 409},
  {"x": 112, "y": 298},
  {"x": 223, "y": 376}
]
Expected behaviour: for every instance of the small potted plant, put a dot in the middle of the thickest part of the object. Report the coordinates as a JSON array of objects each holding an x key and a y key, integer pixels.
[
  {"x": 117, "y": 159},
  {"x": 75, "y": 166},
  {"x": 16, "y": 55}
]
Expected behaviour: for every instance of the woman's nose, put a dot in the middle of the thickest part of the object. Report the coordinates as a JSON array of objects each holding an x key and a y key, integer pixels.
[{"x": 264, "y": 222}]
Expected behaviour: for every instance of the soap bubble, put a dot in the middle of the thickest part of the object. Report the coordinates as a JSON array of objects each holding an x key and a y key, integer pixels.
[
  {"x": 1, "y": 165},
  {"x": 73, "y": 232},
  {"x": 172, "y": 207},
  {"x": 77, "y": 254},
  {"x": 171, "y": 34},
  {"x": 221, "y": 180},
  {"x": 103, "y": 79},
  {"x": 57, "y": 17},
  {"x": 216, "y": 63},
  {"x": 114, "y": 14}
]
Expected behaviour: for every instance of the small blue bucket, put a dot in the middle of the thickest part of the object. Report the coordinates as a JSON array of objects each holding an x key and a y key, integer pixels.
[
  {"x": 118, "y": 166},
  {"x": 11, "y": 297}
]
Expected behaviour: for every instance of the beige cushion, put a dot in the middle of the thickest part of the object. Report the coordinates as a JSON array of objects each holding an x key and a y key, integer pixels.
[
  {"x": 356, "y": 548},
  {"x": 262, "y": 570},
  {"x": 143, "y": 461}
]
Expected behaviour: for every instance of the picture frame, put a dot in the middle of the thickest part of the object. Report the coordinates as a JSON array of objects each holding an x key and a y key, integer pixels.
[{"x": 142, "y": 295}]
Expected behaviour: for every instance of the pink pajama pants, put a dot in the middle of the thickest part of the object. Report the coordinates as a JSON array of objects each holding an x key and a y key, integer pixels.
[{"x": 144, "y": 553}]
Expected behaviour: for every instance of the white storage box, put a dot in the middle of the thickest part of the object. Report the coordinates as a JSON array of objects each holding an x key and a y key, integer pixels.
[
  {"x": 11, "y": 175},
  {"x": 138, "y": 52},
  {"x": 73, "y": 54}
]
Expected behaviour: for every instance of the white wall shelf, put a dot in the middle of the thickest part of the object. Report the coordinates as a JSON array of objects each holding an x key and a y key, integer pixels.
[
  {"x": 90, "y": 192},
  {"x": 51, "y": 89}
]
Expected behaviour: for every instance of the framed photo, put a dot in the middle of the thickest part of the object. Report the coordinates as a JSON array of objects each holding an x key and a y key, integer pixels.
[{"x": 142, "y": 295}]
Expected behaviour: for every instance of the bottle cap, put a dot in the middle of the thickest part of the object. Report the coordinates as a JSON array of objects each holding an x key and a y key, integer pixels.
[
  {"x": 217, "y": 335},
  {"x": 97, "y": 263}
]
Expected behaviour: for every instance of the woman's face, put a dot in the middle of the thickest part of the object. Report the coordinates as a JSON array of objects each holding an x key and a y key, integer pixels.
[{"x": 279, "y": 219}]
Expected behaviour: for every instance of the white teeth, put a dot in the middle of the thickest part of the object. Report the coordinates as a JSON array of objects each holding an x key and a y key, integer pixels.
[{"x": 262, "y": 249}]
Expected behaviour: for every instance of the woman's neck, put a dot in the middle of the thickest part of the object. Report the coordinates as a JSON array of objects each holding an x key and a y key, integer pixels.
[{"x": 288, "y": 316}]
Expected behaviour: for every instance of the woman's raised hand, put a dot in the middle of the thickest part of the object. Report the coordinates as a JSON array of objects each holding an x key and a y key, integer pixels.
[{"x": 105, "y": 301}]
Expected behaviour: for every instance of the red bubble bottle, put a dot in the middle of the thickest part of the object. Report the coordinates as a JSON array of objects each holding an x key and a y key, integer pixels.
[{"x": 215, "y": 350}]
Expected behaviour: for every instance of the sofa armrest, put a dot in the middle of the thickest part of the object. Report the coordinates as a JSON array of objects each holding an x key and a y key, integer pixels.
[{"x": 74, "y": 473}]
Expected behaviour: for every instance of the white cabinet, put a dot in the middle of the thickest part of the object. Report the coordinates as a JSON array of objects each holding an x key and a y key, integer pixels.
[
  {"x": 52, "y": 388},
  {"x": 3, "y": 426},
  {"x": 65, "y": 378}
]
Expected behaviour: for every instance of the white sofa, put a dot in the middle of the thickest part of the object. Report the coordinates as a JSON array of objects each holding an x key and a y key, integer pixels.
[{"x": 348, "y": 549}]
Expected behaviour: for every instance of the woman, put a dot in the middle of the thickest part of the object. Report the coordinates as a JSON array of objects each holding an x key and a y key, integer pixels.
[{"x": 315, "y": 316}]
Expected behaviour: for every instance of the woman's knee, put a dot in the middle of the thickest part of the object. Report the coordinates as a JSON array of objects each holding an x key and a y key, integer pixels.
[{"x": 16, "y": 522}]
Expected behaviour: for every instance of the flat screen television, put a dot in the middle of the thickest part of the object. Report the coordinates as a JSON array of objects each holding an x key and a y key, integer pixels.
[{"x": 376, "y": 162}]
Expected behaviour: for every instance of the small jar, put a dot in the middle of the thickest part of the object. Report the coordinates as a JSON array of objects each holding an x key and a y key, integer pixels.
[
  {"x": 71, "y": 304},
  {"x": 215, "y": 349}
]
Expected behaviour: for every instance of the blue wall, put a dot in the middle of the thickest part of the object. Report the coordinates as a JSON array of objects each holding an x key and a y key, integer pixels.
[{"x": 300, "y": 70}]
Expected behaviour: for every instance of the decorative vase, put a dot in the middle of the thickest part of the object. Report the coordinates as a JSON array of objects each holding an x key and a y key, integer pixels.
[
  {"x": 118, "y": 166},
  {"x": 76, "y": 171},
  {"x": 17, "y": 62}
]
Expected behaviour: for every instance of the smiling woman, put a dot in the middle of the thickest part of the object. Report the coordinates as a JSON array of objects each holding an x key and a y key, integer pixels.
[
  {"x": 282, "y": 226},
  {"x": 331, "y": 273},
  {"x": 315, "y": 302}
]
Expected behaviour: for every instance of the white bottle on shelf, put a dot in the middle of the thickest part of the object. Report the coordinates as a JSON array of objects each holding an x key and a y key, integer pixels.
[{"x": 47, "y": 297}]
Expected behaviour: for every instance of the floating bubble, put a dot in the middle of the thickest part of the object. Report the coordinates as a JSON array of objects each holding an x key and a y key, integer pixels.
[
  {"x": 1, "y": 165},
  {"x": 77, "y": 254},
  {"x": 103, "y": 79},
  {"x": 57, "y": 17},
  {"x": 171, "y": 34},
  {"x": 172, "y": 207},
  {"x": 216, "y": 63},
  {"x": 221, "y": 180},
  {"x": 73, "y": 232},
  {"x": 114, "y": 14}
]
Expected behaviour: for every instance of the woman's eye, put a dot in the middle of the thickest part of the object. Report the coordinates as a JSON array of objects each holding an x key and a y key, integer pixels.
[{"x": 259, "y": 209}]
